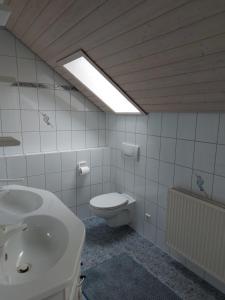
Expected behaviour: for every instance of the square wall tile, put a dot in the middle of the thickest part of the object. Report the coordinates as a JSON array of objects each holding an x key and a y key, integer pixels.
[
  {"x": 96, "y": 175},
  {"x": 140, "y": 166},
  {"x": 141, "y": 124},
  {"x": 102, "y": 138},
  {"x": 62, "y": 99},
  {"x": 167, "y": 151},
  {"x": 64, "y": 140},
  {"x": 37, "y": 181},
  {"x": 78, "y": 139},
  {"x": 139, "y": 187},
  {"x": 52, "y": 162},
  {"x": 69, "y": 160},
  {"x": 220, "y": 160},
  {"x": 101, "y": 120},
  {"x": 35, "y": 164},
  {"x": 63, "y": 120},
  {"x": 153, "y": 147},
  {"x": 154, "y": 124},
  {"x": 161, "y": 218},
  {"x": 96, "y": 157},
  {"x": 78, "y": 120},
  {"x": 183, "y": 177},
  {"x": 48, "y": 141},
  {"x": 16, "y": 167},
  {"x": 69, "y": 197},
  {"x": 91, "y": 120},
  {"x": 8, "y": 67},
  {"x": 105, "y": 174},
  {"x": 30, "y": 120},
  {"x": 9, "y": 96},
  {"x": 28, "y": 98},
  {"x": 184, "y": 153},
  {"x": 130, "y": 123},
  {"x": 169, "y": 125},
  {"x": 186, "y": 126},
  {"x": 31, "y": 142},
  {"x": 207, "y": 127},
  {"x": 77, "y": 101},
  {"x": 46, "y": 98},
  {"x": 91, "y": 138},
  {"x": 204, "y": 156},
  {"x": 152, "y": 169},
  {"x": 151, "y": 193},
  {"x": 218, "y": 189},
  {"x": 68, "y": 180},
  {"x": 27, "y": 70},
  {"x": 162, "y": 196},
  {"x": 11, "y": 121},
  {"x": 166, "y": 173},
  {"x": 129, "y": 182},
  {"x": 53, "y": 182},
  {"x": 83, "y": 195},
  {"x": 44, "y": 73}
]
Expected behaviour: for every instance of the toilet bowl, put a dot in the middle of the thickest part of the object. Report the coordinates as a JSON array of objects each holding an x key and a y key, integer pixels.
[{"x": 115, "y": 208}]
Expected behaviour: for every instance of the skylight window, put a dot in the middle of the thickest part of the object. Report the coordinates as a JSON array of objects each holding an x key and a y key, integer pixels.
[{"x": 99, "y": 84}]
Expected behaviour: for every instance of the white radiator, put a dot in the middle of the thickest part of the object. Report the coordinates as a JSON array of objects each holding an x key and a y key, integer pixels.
[{"x": 196, "y": 230}]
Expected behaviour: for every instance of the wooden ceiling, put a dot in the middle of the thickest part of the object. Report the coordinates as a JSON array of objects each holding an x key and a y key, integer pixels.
[{"x": 167, "y": 55}]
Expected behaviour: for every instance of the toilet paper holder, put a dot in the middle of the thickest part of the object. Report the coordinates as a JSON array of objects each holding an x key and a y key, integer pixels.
[
  {"x": 83, "y": 168},
  {"x": 82, "y": 164}
]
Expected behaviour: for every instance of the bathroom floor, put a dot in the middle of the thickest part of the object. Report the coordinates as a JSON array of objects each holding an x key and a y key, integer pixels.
[{"x": 103, "y": 242}]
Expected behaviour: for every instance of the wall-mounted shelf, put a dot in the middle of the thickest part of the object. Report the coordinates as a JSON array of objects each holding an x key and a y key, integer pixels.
[{"x": 7, "y": 141}]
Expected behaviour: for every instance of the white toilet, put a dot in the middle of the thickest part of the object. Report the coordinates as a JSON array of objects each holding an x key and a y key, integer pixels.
[{"x": 115, "y": 208}]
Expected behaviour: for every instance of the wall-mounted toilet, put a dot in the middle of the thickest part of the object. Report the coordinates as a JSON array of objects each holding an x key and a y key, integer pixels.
[{"x": 115, "y": 208}]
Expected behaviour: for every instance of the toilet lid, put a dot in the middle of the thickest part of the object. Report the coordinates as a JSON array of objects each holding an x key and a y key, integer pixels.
[{"x": 109, "y": 201}]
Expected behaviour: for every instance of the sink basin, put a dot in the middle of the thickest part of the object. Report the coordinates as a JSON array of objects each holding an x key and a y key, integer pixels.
[
  {"x": 44, "y": 259},
  {"x": 32, "y": 253},
  {"x": 19, "y": 201}
]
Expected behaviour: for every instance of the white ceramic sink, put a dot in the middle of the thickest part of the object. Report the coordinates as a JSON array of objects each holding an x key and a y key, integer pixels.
[
  {"x": 45, "y": 258},
  {"x": 33, "y": 252},
  {"x": 19, "y": 201}
]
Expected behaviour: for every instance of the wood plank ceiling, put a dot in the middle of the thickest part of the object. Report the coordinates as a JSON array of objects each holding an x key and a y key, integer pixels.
[{"x": 168, "y": 55}]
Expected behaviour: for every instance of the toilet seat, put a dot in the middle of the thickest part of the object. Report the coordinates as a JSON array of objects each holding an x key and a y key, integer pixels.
[{"x": 109, "y": 201}]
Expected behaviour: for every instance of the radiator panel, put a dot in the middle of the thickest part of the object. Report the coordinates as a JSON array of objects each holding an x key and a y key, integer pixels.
[{"x": 196, "y": 229}]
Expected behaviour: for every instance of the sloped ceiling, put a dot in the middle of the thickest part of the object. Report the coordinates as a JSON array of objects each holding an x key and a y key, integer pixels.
[{"x": 167, "y": 55}]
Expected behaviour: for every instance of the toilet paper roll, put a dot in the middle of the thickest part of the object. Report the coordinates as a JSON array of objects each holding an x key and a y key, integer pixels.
[{"x": 84, "y": 170}]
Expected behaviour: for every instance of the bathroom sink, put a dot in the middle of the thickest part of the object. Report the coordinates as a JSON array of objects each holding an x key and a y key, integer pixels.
[
  {"x": 32, "y": 253},
  {"x": 42, "y": 257},
  {"x": 19, "y": 201}
]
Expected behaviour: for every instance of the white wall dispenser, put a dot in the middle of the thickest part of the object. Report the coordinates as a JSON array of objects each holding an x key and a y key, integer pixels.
[
  {"x": 83, "y": 168},
  {"x": 130, "y": 150}
]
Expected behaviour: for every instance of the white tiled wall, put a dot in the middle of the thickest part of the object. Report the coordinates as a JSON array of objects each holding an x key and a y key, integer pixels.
[
  {"x": 174, "y": 148},
  {"x": 48, "y": 153},
  {"x": 57, "y": 172},
  {"x": 75, "y": 123}
]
